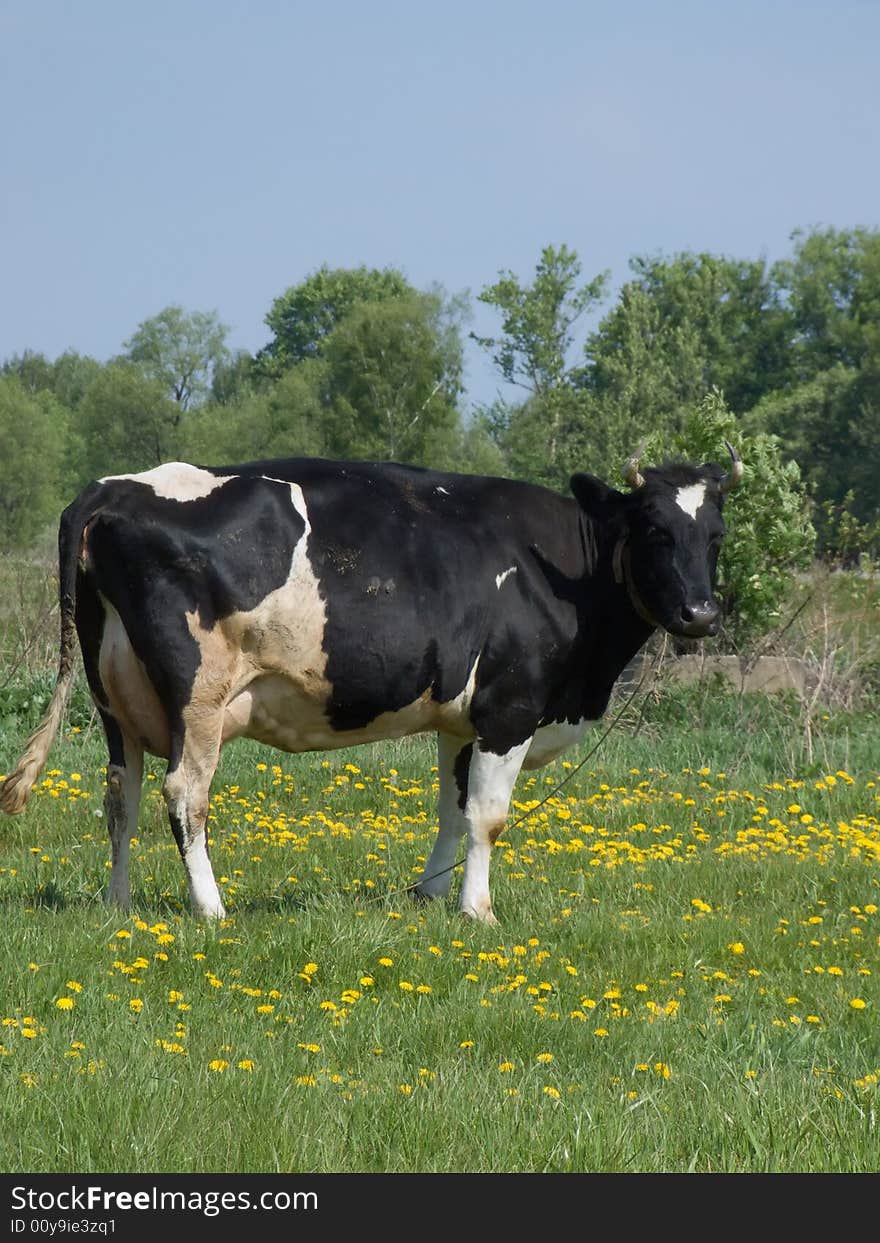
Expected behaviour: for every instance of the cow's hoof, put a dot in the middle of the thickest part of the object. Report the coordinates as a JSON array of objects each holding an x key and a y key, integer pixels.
[
  {"x": 483, "y": 916},
  {"x": 418, "y": 896},
  {"x": 210, "y": 913}
]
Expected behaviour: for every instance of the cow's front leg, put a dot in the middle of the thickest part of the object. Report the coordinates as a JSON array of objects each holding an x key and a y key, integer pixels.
[{"x": 490, "y": 781}]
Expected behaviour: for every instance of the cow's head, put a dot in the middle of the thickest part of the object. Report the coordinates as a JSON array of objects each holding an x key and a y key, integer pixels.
[{"x": 665, "y": 535}]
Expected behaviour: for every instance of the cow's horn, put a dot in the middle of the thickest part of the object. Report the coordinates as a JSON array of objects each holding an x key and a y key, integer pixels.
[
  {"x": 631, "y": 472},
  {"x": 733, "y": 478}
]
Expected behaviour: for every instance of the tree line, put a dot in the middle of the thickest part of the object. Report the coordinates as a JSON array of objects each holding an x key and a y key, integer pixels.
[{"x": 783, "y": 359}]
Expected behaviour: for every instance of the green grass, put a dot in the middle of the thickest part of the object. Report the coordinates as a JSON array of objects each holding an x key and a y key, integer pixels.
[{"x": 671, "y": 987}]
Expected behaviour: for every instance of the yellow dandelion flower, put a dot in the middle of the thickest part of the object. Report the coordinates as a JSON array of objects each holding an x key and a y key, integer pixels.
[
  {"x": 65, "y": 1003},
  {"x": 505, "y": 1067},
  {"x": 737, "y": 947},
  {"x": 552, "y": 1092},
  {"x": 219, "y": 1064},
  {"x": 545, "y": 1057},
  {"x": 858, "y": 1003},
  {"x": 246, "y": 1064},
  {"x": 136, "y": 1005},
  {"x": 74, "y": 986}
]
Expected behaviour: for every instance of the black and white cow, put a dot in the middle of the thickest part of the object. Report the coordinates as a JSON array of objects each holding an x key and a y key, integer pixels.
[{"x": 313, "y": 604}]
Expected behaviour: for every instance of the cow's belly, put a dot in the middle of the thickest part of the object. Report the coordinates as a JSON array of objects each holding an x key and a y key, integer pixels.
[
  {"x": 274, "y": 709},
  {"x": 551, "y": 740}
]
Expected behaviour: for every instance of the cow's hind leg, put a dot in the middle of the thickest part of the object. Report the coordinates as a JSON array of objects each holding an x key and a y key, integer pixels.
[
  {"x": 453, "y": 760},
  {"x": 125, "y": 771},
  {"x": 490, "y": 782},
  {"x": 187, "y": 788}
]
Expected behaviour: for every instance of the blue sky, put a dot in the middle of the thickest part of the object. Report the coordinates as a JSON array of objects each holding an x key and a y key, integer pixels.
[{"x": 214, "y": 153}]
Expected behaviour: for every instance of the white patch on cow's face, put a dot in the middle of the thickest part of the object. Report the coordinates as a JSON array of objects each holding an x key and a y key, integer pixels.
[
  {"x": 176, "y": 481},
  {"x": 445, "y": 491},
  {"x": 691, "y": 498},
  {"x": 501, "y": 579}
]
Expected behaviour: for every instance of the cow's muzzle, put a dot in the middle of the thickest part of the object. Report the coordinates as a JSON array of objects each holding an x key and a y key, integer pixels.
[{"x": 698, "y": 620}]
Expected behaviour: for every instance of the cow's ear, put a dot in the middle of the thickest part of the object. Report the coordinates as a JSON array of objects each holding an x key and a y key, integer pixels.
[{"x": 594, "y": 496}]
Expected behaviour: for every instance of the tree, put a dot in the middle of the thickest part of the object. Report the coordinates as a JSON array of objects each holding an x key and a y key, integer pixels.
[
  {"x": 681, "y": 328},
  {"x": 305, "y": 315},
  {"x": 32, "y": 369},
  {"x": 831, "y": 290},
  {"x": 828, "y": 416},
  {"x": 72, "y": 373},
  {"x": 126, "y": 422},
  {"x": 532, "y": 352},
  {"x": 390, "y": 380},
  {"x": 235, "y": 378},
  {"x": 284, "y": 419},
  {"x": 180, "y": 350},
  {"x": 538, "y": 320},
  {"x": 33, "y": 434}
]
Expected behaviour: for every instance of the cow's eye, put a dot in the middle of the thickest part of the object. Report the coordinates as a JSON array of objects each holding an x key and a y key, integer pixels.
[{"x": 656, "y": 535}]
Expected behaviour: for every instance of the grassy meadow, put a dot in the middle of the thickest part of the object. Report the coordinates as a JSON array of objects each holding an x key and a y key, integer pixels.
[{"x": 685, "y": 976}]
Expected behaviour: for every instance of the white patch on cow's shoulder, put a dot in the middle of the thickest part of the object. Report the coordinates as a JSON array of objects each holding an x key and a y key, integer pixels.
[
  {"x": 501, "y": 579},
  {"x": 691, "y": 498},
  {"x": 443, "y": 490},
  {"x": 176, "y": 481}
]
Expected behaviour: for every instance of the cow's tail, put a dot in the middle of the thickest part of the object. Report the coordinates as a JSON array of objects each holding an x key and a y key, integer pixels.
[{"x": 15, "y": 790}]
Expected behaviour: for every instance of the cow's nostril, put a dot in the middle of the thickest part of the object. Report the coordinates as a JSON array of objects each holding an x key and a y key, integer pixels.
[{"x": 699, "y": 618}]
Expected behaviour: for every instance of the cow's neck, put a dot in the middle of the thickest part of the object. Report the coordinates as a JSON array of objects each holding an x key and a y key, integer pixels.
[{"x": 615, "y": 628}]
